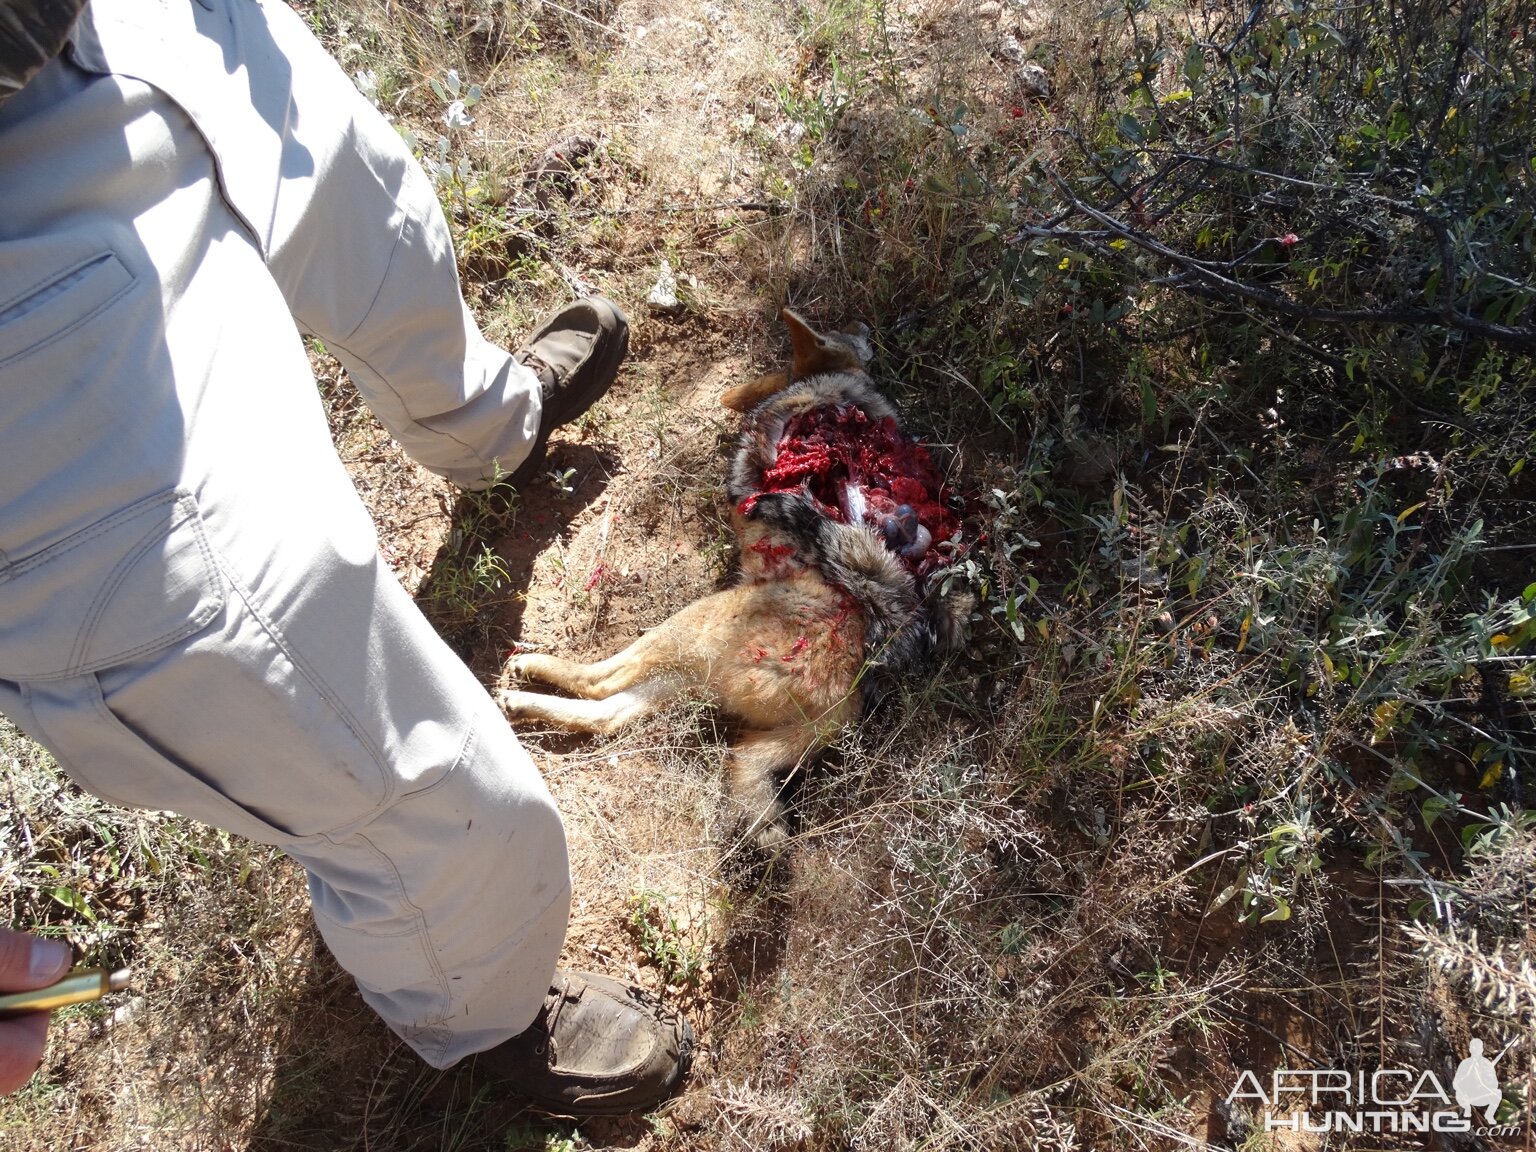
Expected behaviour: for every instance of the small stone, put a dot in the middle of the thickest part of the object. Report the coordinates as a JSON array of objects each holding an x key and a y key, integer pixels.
[
  {"x": 990, "y": 10},
  {"x": 128, "y": 1012},
  {"x": 662, "y": 298}
]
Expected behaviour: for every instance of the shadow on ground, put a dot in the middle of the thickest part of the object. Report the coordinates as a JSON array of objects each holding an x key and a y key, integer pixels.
[
  {"x": 343, "y": 1081},
  {"x": 476, "y": 590}
]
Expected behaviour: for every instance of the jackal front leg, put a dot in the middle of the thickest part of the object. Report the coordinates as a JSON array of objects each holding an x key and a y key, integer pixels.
[
  {"x": 597, "y": 716},
  {"x": 595, "y": 681}
]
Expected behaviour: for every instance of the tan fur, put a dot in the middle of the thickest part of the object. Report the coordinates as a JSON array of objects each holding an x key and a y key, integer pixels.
[
  {"x": 781, "y": 655},
  {"x": 815, "y": 353},
  {"x": 783, "y": 652},
  {"x": 745, "y": 397}
]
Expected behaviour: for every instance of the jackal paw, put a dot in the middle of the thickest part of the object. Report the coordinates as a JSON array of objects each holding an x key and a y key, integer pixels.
[
  {"x": 771, "y": 839},
  {"x": 514, "y": 705}
]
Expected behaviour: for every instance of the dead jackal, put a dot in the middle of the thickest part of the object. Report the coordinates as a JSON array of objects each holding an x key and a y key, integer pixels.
[{"x": 841, "y": 521}]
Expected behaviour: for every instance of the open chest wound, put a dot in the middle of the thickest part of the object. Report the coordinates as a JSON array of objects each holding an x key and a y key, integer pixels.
[{"x": 865, "y": 471}]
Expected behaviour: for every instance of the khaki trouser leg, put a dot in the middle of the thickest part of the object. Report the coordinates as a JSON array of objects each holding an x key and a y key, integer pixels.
[
  {"x": 359, "y": 247},
  {"x": 193, "y": 612}
]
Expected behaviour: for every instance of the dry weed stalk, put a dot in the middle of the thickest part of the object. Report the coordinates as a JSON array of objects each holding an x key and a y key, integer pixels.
[
  {"x": 1500, "y": 983},
  {"x": 760, "y": 1118}
]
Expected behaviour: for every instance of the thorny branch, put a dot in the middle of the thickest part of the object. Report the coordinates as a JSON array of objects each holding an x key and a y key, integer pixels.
[{"x": 1216, "y": 280}]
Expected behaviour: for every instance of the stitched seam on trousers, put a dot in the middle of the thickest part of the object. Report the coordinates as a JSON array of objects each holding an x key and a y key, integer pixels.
[
  {"x": 325, "y": 693},
  {"x": 104, "y": 713},
  {"x": 529, "y": 922},
  {"x": 379, "y": 376},
  {"x": 464, "y": 753},
  {"x": 56, "y": 749},
  {"x": 77, "y": 662},
  {"x": 470, "y": 738},
  {"x": 93, "y": 63},
  {"x": 405, "y": 224},
  {"x": 414, "y": 421},
  {"x": 424, "y": 936},
  {"x": 21, "y": 297},
  {"x": 38, "y": 285},
  {"x": 439, "y": 1047},
  {"x": 47, "y": 555},
  {"x": 32, "y": 349}
]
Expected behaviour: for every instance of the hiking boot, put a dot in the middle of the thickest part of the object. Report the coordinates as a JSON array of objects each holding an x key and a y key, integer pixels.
[
  {"x": 598, "y": 1047},
  {"x": 575, "y": 354}
]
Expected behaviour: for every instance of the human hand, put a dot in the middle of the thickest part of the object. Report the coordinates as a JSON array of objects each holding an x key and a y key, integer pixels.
[{"x": 26, "y": 962}]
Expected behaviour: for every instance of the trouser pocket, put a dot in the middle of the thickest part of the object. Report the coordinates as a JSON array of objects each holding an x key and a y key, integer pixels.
[
  {"x": 124, "y": 587},
  {"x": 121, "y": 590},
  {"x": 156, "y": 684}
]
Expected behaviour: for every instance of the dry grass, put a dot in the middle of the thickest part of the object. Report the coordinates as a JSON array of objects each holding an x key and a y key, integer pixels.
[{"x": 1144, "y": 834}]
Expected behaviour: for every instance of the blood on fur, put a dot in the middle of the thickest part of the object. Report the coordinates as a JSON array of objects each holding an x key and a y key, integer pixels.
[{"x": 861, "y": 470}]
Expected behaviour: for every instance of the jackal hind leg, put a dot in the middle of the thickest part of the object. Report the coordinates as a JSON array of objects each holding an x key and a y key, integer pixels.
[{"x": 752, "y": 783}]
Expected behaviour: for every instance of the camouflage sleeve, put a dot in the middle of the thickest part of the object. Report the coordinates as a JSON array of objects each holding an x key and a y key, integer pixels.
[{"x": 31, "y": 34}]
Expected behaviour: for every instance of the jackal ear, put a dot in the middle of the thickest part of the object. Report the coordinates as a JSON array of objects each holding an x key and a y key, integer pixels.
[
  {"x": 815, "y": 353},
  {"x": 745, "y": 397}
]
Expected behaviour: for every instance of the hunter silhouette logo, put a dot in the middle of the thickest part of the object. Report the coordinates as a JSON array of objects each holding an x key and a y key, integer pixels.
[
  {"x": 1385, "y": 1100},
  {"x": 1476, "y": 1083}
]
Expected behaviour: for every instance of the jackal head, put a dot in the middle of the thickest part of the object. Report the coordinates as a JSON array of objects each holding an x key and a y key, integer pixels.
[{"x": 813, "y": 353}]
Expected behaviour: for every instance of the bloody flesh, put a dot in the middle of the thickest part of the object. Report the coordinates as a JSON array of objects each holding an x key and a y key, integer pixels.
[{"x": 859, "y": 469}]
